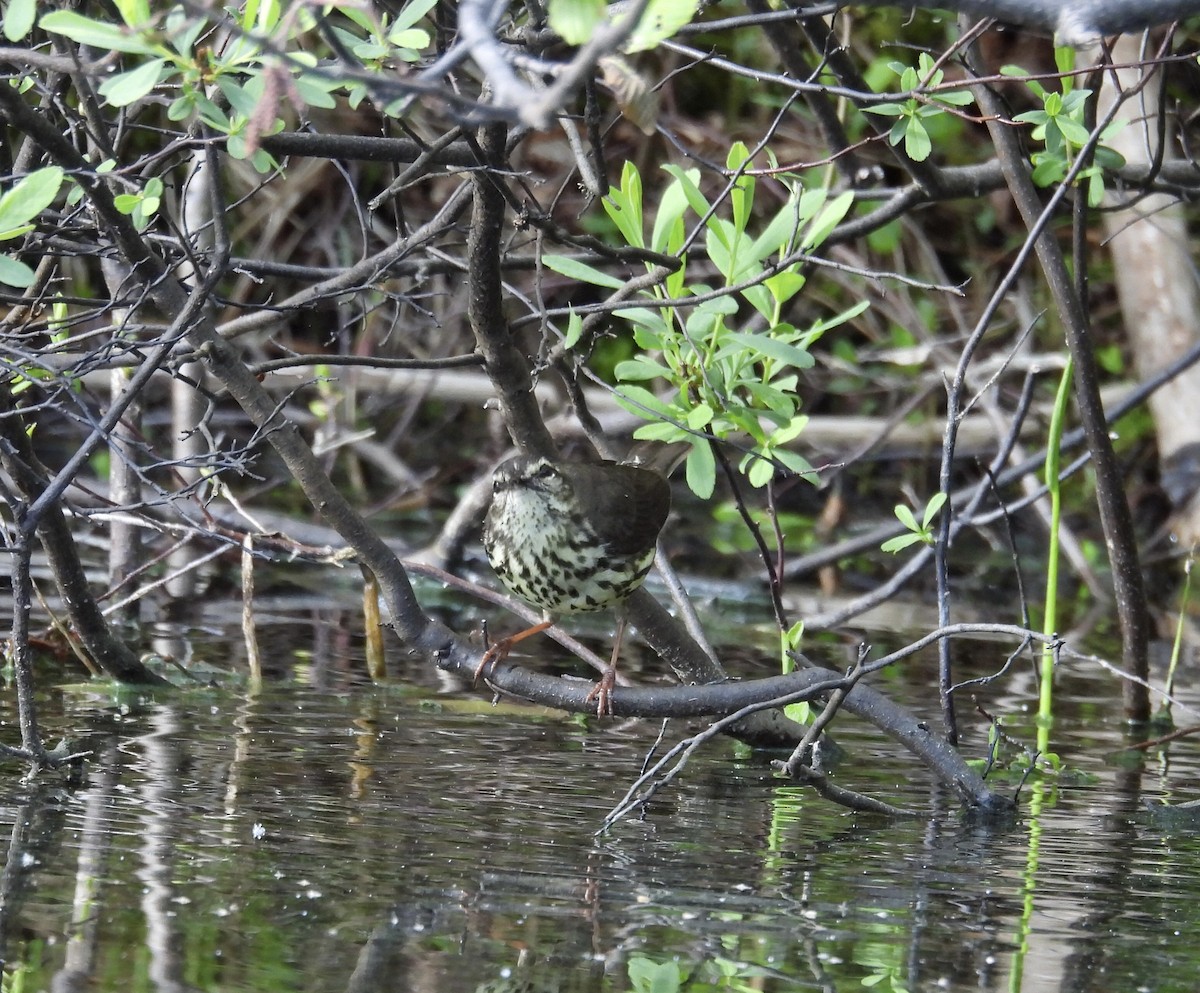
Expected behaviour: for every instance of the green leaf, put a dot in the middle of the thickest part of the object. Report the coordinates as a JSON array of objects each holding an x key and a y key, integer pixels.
[
  {"x": 1108, "y": 158},
  {"x": 413, "y": 38},
  {"x": 791, "y": 431},
  {"x": 624, "y": 206},
  {"x": 905, "y": 515},
  {"x": 661, "y": 431},
  {"x": 916, "y": 141},
  {"x": 574, "y": 269},
  {"x": 127, "y": 203},
  {"x": 641, "y": 367},
  {"x": 699, "y": 417},
  {"x": 133, "y": 12},
  {"x": 741, "y": 197},
  {"x": 575, "y": 21},
  {"x": 899, "y": 543},
  {"x": 413, "y": 13},
  {"x": 784, "y": 285},
  {"x": 33, "y": 194},
  {"x": 98, "y": 34},
  {"x": 1073, "y": 131},
  {"x": 820, "y": 327},
  {"x": 955, "y": 98},
  {"x": 126, "y": 87},
  {"x": 315, "y": 91},
  {"x": 799, "y": 465},
  {"x": 773, "y": 348},
  {"x": 642, "y": 402},
  {"x": 643, "y": 317},
  {"x": 829, "y": 218},
  {"x": 687, "y": 181},
  {"x": 574, "y": 330},
  {"x": 212, "y": 115},
  {"x": 771, "y": 398},
  {"x": 181, "y": 107},
  {"x": 661, "y": 19},
  {"x": 888, "y": 109},
  {"x": 18, "y": 19},
  {"x": 667, "y": 235},
  {"x": 780, "y": 232},
  {"x": 649, "y": 328},
  {"x": 701, "y": 472},
  {"x": 935, "y": 504},
  {"x": 242, "y": 98},
  {"x": 1032, "y": 117},
  {"x": 13, "y": 272}
]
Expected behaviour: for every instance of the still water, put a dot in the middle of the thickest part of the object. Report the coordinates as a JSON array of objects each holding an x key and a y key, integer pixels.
[{"x": 327, "y": 834}]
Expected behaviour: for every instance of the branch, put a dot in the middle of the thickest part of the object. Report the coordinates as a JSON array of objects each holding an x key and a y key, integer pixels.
[{"x": 1072, "y": 22}]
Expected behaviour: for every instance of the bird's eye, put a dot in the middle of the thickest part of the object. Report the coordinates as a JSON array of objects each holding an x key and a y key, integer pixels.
[{"x": 544, "y": 471}]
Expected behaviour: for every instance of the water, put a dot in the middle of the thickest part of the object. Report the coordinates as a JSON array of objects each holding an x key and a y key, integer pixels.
[{"x": 411, "y": 837}]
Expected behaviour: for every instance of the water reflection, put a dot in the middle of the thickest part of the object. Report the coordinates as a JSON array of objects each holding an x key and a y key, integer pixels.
[{"x": 373, "y": 840}]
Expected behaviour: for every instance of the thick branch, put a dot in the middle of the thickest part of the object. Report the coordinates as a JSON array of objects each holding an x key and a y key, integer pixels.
[
  {"x": 1073, "y": 22},
  {"x": 16, "y": 455},
  {"x": 728, "y": 697}
]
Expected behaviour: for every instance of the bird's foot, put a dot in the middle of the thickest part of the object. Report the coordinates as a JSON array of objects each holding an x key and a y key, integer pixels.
[
  {"x": 498, "y": 652},
  {"x": 495, "y": 654},
  {"x": 602, "y": 692}
]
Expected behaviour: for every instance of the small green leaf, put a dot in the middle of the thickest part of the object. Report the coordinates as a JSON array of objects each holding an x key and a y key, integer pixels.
[
  {"x": 780, "y": 232},
  {"x": 316, "y": 92},
  {"x": 413, "y": 13},
  {"x": 899, "y": 543},
  {"x": 829, "y": 218},
  {"x": 642, "y": 402},
  {"x": 701, "y": 472},
  {"x": 640, "y": 367},
  {"x": 773, "y": 348},
  {"x": 887, "y": 109},
  {"x": 688, "y": 182},
  {"x": 13, "y": 272},
  {"x": 799, "y": 465},
  {"x": 661, "y": 431},
  {"x": 126, "y": 87},
  {"x": 624, "y": 206},
  {"x": 935, "y": 504},
  {"x": 668, "y": 223},
  {"x": 575, "y": 21},
  {"x": 98, "y": 34},
  {"x": 761, "y": 472},
  {"x": 18, "y": 19},
  {"x": 574, "y": 330},
  {"x": 784, "y": 285},
  {"x": 133, "y": 12},
  {"x": 574, "y": 269},
  {"x": 411, "y": 38},
  {"x": 660, "y": 20},
  {"x": 700, "y": 417},
  {"x": 916, "y": 141},
  {"x": 242, "y": 98},
  {"x": 772, "y": 399},
  {"x": 33, "y": 194},
  {"x": 955, "y": 98},
  {"x": 905, "y": 515}
]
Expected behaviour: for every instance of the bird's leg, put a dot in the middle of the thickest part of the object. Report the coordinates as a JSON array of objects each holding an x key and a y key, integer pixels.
[
  {"x": 602, "y": 691},
  {"x": 499, "y": 651}
]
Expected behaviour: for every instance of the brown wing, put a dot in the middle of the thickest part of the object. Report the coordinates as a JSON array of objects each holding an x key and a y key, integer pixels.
[{"x": 629, "y": 506}]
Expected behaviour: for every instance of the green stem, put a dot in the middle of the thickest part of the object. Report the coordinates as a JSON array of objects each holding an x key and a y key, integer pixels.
[{"x": 1050, "y": 625}]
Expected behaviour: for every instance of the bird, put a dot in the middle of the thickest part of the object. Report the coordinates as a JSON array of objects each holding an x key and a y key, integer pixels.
[{"x": 573, "y": 537}]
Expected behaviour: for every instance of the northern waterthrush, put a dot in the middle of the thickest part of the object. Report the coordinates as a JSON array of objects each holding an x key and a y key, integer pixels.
[{"x": 572, "y": 537}]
